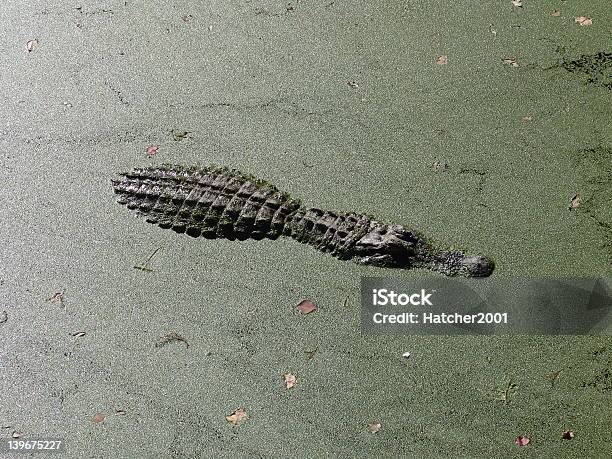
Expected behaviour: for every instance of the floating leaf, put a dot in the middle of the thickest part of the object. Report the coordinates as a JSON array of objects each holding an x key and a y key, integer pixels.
[
  {"x": 98, "y": 418},
  {"x": 171, "y": 338},
  {"x": 575, "y": 202},
  {"x": 78, "y": 334},
  {"x": 289, "y": 380},
  {"x": 439, "y": 166},
  {"x": 306, "y": 307},
  {"x": 510, "y": 61},
  {"x": 310, "y": 354},
  {"x": 556, "y": 13},
  {"x": 553, "y": 375},
  {"x": 57, "y": 297},
  {"x": 406, "y": 355},
  {"x": 187, "y": 18},
  {"x": 442, "y": 59},
  {"x": 179, "y": 135},
  {"x": 16, "y": 434},
  {"x": 237, "y": 417},
  {"x": 152, "y": 150},
  {"x": 3, "y": 317},
  {"x": 31, "y": 45},
  {"x": 522, "y": 440},
  {"x": 374, "y": 427},
  {"x": 584, "y": 20},
  {"x": 527, "y": 118},
  {"x": 567, "y": 435},
  {"x": 352, "y": 84},
  {"x": 517, "y": 3}
]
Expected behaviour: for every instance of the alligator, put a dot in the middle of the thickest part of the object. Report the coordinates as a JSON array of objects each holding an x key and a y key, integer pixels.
[{"x": 216, "y": 202}]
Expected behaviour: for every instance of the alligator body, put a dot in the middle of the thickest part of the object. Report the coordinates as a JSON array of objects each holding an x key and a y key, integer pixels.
[{"x": 221, "y": 203}]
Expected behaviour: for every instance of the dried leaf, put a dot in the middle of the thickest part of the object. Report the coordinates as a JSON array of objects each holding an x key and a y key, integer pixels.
[
  {"x": 374, "y": 427},
  {"x": 57, "y": 297},
  {"x": 439, "y": 166},
  {"x": 575, "y": 202},
  {"x": 517, "y": 3},
  {"x": 510, "y": 61},
  {"x": 553, "y": 375},
  {"x": 237, "y": 417},
  {"x": 567, "y": 435},
  {"x": 522, "y": 440},
  {"x": 16, "y": 434},
  {"x": 31, "y": 45},
  {"x": 306, "y": 307},
  {"x": 556, "y": 13},
  {"x": 352, "y": 84},
  {"x": 442, "y": 59},
  {"x": 98, "y": 418},
  {"x": 289, "y": 380},
  {"x": 171, "y": 338},
  {"x": 179, "y": 135},
  {"x": 152, "y": 150},
  {"x": 3, "y": 317},
  {"x": 310, "y": 354},
  {"x": 584, "y": 20},
  {"x": 78, "y": 334}
]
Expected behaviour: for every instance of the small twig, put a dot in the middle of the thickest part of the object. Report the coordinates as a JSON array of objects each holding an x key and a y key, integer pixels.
[{"x": 144, "y": 266}]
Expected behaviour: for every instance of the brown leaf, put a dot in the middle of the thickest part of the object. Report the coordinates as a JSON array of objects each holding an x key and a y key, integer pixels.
[
  {"x": 352, "y": 84},
  {"x": 289, "y": 380},
  {"x": 575, "y": 202},
  {"x": 584, "y": 20},
  {"x": 171, "y": 338},
  {"x": 98, "y": 418},
  {"x": 553, "y": 375},
  {"x": 556, "y": 13},
  {"x": 306, "y": 307},
  {"x": 522, "y": 440},
  {"x": 374, "y": 427},
  {"x": 57, "y": 297},
  {"x": 442, "y": 59},
  {"x": 31, "y": 45},
  {"x": 3, "y": 317},
  {"x": 152, "y": 150},
  {"x": 510, "y": 61},
  {"x": 237, "y": 417},
  {"x": 567, "y": 435},
  {"x": 310, "y": 354}
]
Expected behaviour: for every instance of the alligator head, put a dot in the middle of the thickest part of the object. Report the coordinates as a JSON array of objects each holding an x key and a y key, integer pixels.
[{"x": 394, "y": 246}]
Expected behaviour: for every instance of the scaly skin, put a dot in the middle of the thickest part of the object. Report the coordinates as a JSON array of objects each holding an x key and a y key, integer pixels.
[{"x": 221, "y": 203}]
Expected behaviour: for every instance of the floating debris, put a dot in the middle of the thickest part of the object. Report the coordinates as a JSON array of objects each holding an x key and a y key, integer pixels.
[
  {"x": 584, "y": 20},
  {"x": 290, "y": 380},
  {"x": 523, "y": 440},
  {"x": 442, "y": 60},
  {"x": 98, "y": 418},
  {"x": 237, "y": 417},
  {"x": 306, "y": 307},
  {"x": 3, "y": 317},
  {"x": 31, "y": 45},
  {"x": 171, "y": 338},
  {"x": 567, "y": 435},
  {"x": 374, "y": 427}
]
